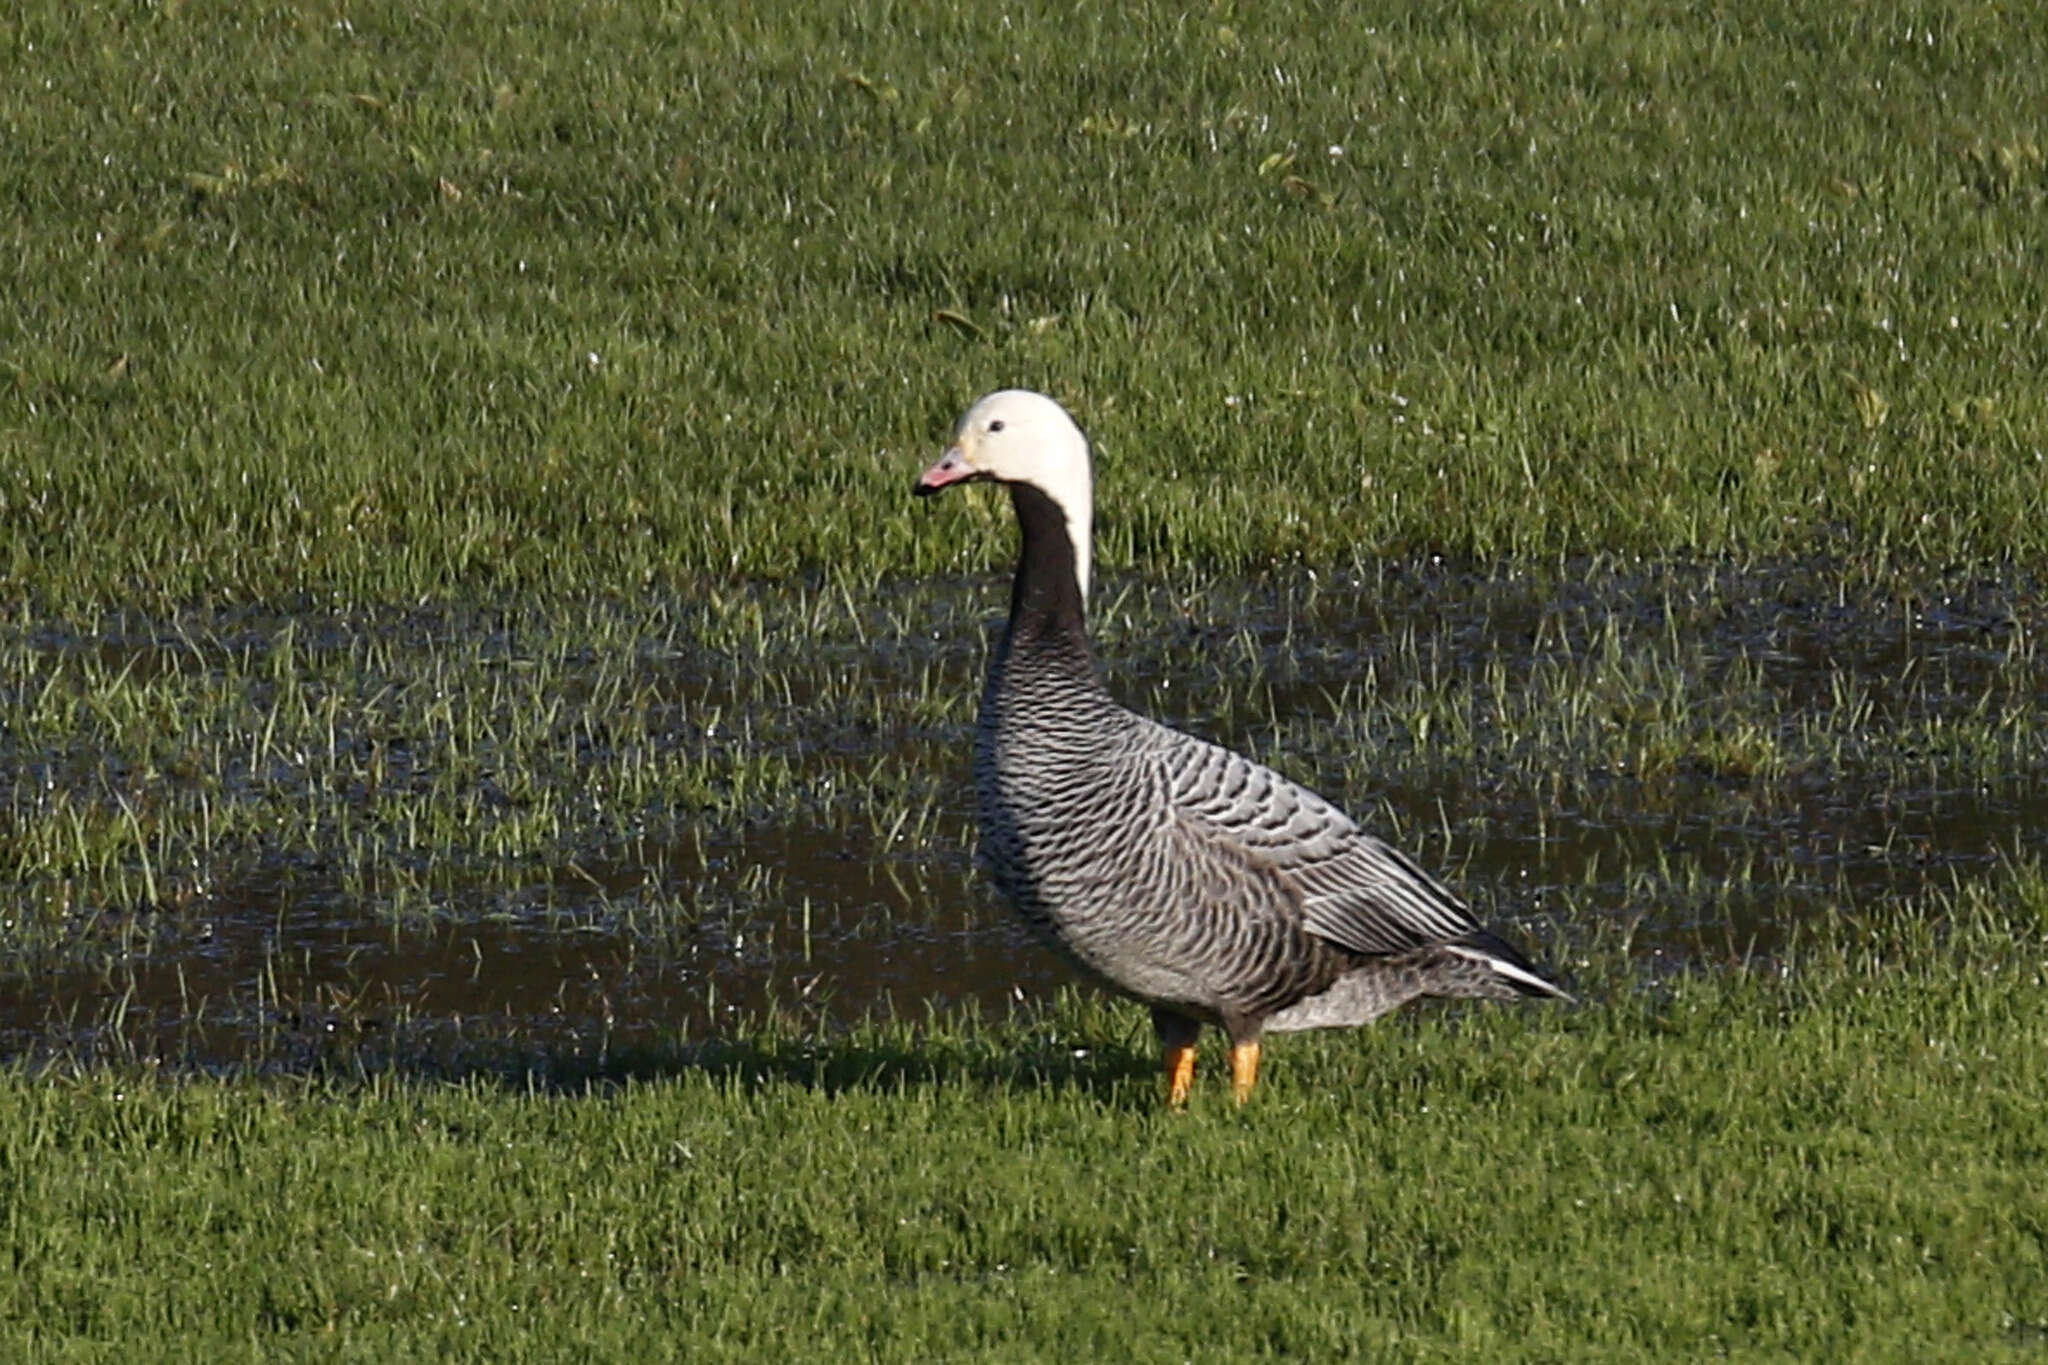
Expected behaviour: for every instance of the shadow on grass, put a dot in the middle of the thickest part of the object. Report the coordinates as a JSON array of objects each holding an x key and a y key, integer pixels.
[
  {"x": 1082, "y": 1046},
  {"x": 1110, "y": 1072}
]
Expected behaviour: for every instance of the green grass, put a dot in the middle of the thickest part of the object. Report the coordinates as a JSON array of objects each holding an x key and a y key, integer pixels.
[
  {"x": 377, "y": 304},
  {"x": 1839, "y": 1161}
]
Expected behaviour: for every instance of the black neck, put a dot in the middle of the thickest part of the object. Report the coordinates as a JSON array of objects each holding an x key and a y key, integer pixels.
[{"x": 1045, "y": 598}]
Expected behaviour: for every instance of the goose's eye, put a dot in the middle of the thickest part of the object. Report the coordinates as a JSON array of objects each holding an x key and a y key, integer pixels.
[{"x": 995, "y": 426}]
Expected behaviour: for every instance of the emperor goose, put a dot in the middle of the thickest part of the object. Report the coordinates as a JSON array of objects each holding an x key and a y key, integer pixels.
[{"x": 1189, "y": 877}]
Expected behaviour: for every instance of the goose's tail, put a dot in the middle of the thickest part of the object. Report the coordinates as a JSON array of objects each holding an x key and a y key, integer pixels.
[{"x": 1512, "y": 970}]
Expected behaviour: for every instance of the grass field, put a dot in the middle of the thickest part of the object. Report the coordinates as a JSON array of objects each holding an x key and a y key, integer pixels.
[
  {"x": 370, "y": 305},
  {"x": 1839, "y": 1162},
  {"x": 447, "y": 449}
]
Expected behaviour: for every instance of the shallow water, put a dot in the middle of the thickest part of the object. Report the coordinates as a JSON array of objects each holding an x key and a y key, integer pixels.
[{"x": 1708, "y": 755}]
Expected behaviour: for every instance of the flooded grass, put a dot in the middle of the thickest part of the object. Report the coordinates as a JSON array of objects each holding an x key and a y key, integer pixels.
[{"x": 240, "y": 837}]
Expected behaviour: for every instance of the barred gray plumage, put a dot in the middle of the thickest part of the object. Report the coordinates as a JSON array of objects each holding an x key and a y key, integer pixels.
[{"x": 1182, "y": 874}]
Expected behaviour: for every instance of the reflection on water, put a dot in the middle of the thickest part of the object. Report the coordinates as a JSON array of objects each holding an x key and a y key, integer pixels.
[{"x": 1708, "y": 754}]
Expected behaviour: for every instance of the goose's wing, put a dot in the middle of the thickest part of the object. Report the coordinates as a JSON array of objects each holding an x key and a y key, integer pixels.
[{"x": 1354, "y": 890}]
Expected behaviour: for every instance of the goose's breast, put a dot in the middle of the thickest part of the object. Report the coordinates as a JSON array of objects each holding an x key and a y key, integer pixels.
[{"x": 1062, "y": 817}]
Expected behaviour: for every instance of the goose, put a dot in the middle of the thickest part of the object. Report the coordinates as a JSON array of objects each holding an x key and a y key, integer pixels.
[{"x": 1169, "y": 869}]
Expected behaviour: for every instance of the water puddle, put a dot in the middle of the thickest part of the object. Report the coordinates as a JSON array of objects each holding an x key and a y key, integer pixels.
[{"x": 284, "y": 839}]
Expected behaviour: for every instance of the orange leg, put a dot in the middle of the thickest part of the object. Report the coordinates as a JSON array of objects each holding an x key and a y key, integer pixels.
[
  {"x": 1177, "y": 1035},
  {"x": 1244, "y": 1069},
  {"x": 1180, "y": 1074}
]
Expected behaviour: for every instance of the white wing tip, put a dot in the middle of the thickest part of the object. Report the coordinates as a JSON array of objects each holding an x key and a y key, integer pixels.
[{"x": 1523, "y": 978}]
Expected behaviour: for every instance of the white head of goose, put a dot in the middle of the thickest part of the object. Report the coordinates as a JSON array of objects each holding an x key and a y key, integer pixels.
[
  {"x": 1027, "y": 441},
  {"x": 1169, "y": 869}
]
